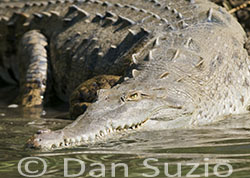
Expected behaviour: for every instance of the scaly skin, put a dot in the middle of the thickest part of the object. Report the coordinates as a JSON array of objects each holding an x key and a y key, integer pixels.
[{"x": 187, "y": 59}]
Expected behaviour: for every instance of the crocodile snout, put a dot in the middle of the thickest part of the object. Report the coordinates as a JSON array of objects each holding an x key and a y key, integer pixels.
[{"x": 46, "y": 139}]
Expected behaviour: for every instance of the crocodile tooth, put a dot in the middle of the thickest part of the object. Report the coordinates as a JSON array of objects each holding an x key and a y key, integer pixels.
[
  {"x": 72, "y": 140},
  {"x": 126, "y": 127},
  {"x": 66, "y": 140},
  {"x": 53, "y": 146},
  {"x": 105, "y": 132},
  {"x": 135, "y": 73},
  {"x": 84, "y": 138},
  {"x": 102, "y": 133}
]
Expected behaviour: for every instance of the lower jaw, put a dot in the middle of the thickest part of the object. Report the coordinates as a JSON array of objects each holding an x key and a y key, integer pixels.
[{"x": 70, "y": 140}]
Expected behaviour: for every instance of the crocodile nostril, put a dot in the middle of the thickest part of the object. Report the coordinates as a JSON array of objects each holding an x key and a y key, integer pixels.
[{"x": 39, "y": 132}]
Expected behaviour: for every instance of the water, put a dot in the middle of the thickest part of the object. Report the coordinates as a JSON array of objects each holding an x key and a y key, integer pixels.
[{"x": 216, "y": 149}]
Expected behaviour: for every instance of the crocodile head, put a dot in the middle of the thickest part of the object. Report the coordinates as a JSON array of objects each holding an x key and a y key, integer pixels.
[{"x": 117, "y": 111}]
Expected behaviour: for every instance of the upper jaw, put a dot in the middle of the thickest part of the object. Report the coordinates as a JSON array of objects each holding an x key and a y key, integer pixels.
[{"x": 81, "y": 132}]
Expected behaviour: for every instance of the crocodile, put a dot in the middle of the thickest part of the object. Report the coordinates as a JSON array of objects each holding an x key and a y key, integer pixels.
[{"x": 183, "y": 63}]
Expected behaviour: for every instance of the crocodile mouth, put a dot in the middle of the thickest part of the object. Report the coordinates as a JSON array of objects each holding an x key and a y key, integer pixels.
[{"x": 51, "y": 140}]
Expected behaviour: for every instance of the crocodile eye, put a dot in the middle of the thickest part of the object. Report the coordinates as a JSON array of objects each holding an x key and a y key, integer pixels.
[
  {"x": 136, "y": 96},
  {"x": 133, "y": 97}
]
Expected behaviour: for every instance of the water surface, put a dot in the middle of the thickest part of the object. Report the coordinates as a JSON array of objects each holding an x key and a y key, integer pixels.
[{"x": 212, "y": 148}]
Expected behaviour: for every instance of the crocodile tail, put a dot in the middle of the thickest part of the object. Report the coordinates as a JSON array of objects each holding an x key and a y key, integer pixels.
[{"x": 33, "y": 68}]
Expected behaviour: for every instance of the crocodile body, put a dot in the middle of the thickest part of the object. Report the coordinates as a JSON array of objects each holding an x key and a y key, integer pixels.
[{"x": 184, "y": 62}]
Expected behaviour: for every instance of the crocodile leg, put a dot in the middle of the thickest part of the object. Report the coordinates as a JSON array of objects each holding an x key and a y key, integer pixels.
[
  {"x": 33, "y": 68},
  {"x": 86, "y": 93}
]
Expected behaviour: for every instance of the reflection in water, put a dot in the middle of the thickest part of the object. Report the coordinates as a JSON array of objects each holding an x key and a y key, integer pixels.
[{"x": 227, "y": 142}]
